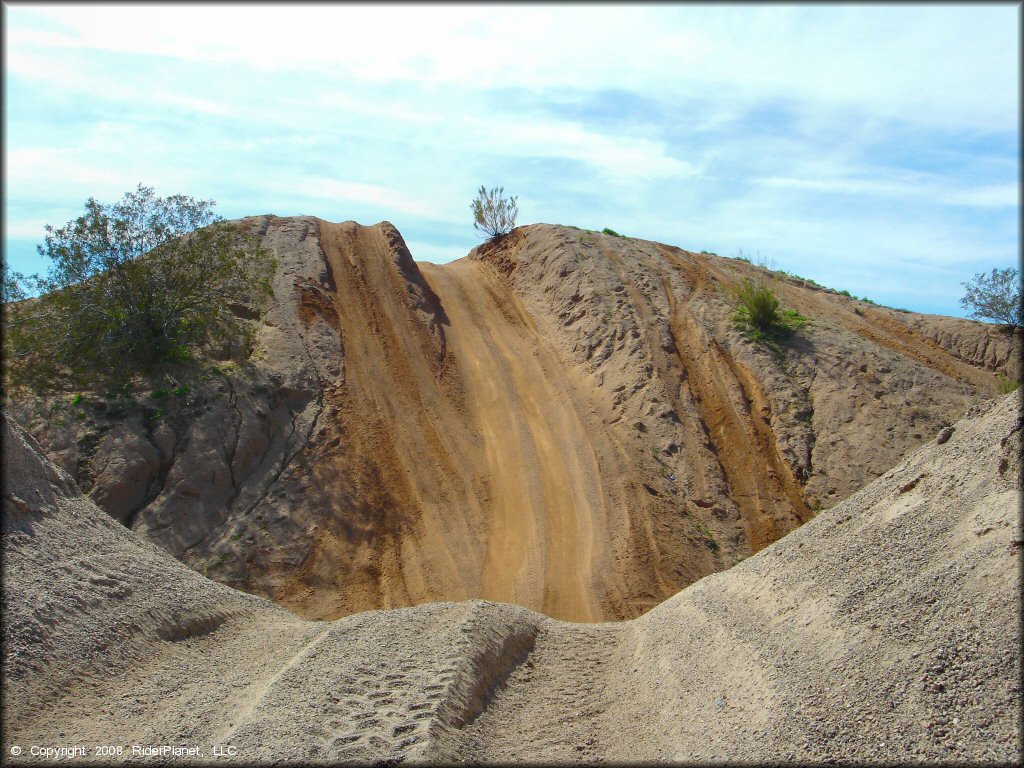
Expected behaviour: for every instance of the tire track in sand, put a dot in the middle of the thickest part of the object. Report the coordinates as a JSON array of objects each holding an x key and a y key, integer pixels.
[{"x": 543, "y": 474}]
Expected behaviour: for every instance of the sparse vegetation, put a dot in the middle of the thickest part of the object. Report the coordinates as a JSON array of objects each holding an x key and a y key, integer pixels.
[
  {"x": 709, "y": 539},
  {"x": 494, "y": 214},
  {"x": 759, "y": 314},
  {"x": 995, "y": 296},
  {"x": 612, "y": 232},
  {"x": 1005, "y": 384},
  {"x": 132, "y": 287}
]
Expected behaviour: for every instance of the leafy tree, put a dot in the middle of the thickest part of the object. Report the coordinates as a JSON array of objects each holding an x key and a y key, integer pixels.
[
  {"x": 494, "y": 214},
  {"x": 13, "y": 286},
  {"x": 132, "y": 286},
  {"x": 996, "y": 296}
]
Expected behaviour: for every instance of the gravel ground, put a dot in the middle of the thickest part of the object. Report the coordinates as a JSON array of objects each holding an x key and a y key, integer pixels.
[{"x": 885, "y": 630}]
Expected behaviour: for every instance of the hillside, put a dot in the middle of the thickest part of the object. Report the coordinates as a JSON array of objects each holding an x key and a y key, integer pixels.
[
  {"x": 563, "y": 420},
  {"x": 886, "y": 629}
]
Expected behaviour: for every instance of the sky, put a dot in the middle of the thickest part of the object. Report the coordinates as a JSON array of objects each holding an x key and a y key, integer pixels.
[{"x": 872, "y": 148}]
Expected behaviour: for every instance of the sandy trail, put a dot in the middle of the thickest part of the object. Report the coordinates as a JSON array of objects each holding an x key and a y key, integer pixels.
[
  {"x": 563, "y": 699},
  {"x": 738, "y": 416},
  {"x": 543, "y": 475}
]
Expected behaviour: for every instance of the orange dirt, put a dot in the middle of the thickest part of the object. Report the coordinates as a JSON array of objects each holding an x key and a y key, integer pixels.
[
  {"x": 467, "y": 468},
  {"x": 563, "y": 420},
  {"x": 737, "y": 416},
  {"x": 461, "y": 455}
]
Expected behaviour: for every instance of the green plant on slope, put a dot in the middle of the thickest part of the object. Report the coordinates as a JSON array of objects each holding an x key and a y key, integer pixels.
[
  {"x": 494, "y": 214},
  {"x": 1005, "y": 384},
  {"x": 759, "y": 314}
]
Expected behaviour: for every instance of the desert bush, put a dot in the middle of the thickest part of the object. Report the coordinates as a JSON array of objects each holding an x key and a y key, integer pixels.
[
  {"x": 758, "y": 313},
  {"x": 132, "y": 286},
  {"x": 493, "y": 214},
  {"x": 996, "y": 296},
  {"x": 612, "y": 232}
]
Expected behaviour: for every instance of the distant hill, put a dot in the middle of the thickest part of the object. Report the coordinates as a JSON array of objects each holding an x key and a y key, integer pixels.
[{"x": 563, "y": 419}]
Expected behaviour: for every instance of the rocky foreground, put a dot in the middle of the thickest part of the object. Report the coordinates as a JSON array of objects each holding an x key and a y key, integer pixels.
[
  {"x": 886, "y": 629},
  {"x": 564, "y": 420}
]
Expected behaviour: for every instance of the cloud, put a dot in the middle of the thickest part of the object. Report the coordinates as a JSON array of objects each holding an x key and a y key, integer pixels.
[
  {"x": 948, "y": 66},
  {"x": 870, "y": 143},
  {"x": 987, "y": 196},
  {"x": 372, "y": 196}
]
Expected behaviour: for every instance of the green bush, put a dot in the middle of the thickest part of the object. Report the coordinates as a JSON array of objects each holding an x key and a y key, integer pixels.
[
  {"x": 612, "y": 232},
  {"x": 759, "y": 314},
  {"x": 132, "y": 286},
  {"x": 494, "y": 214}
]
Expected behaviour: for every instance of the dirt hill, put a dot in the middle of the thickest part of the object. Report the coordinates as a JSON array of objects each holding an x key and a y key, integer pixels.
[
  {"x": 886, "y": 630},
  {"x": 564, "y": 420}
]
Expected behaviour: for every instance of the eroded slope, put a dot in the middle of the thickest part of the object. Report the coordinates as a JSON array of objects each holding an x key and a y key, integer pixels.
[
  {"x": 885, "y": 630},
  {"x": 563, "y": 420}
]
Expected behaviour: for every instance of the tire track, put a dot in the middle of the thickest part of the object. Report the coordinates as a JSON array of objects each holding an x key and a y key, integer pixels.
[
  {"x": 543, "y": 476},
  {"x": 736, "y": 415}
]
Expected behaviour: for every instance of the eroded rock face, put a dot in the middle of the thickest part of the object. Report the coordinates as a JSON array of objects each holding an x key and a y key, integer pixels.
[
  {"x": 129, "y": 465},
  {"x": 564, "y": 420}
]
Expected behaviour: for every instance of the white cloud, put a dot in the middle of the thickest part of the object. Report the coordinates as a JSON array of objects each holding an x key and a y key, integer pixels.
[
  {"x": 399, "y": 112},
  {"x": 29, "y": 229},
  {"x": 328, "y": 191},
  {"x": 989, "y": 196},
  {"x": 887, "y": 183},
  {"x": 947, "y": 65},
  {"x": 622, "y": 157},
  {"x": 37, "y": 168}
]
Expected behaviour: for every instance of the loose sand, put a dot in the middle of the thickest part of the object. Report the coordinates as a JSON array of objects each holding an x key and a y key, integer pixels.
[{"x": 886, "y": 629}]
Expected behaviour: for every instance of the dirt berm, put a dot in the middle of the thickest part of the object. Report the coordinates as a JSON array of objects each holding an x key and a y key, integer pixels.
[
  {"x": 563, "y": 419},
  {"x": 886, "y": 629}
]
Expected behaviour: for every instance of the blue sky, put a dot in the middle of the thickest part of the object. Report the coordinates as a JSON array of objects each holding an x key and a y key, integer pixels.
[{"x": 872, "y": 148}]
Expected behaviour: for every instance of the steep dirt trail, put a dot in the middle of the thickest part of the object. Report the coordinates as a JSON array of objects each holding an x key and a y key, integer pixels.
[
  {"x": 544, "y": 486},
  {"x": 474, "y": 462},
  {"x": 408, "y": 466},
  {"x": 736, "y": 415}
]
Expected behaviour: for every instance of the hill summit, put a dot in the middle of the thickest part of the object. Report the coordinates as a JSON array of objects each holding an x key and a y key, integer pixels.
[{"x": 563, "y": 420}]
